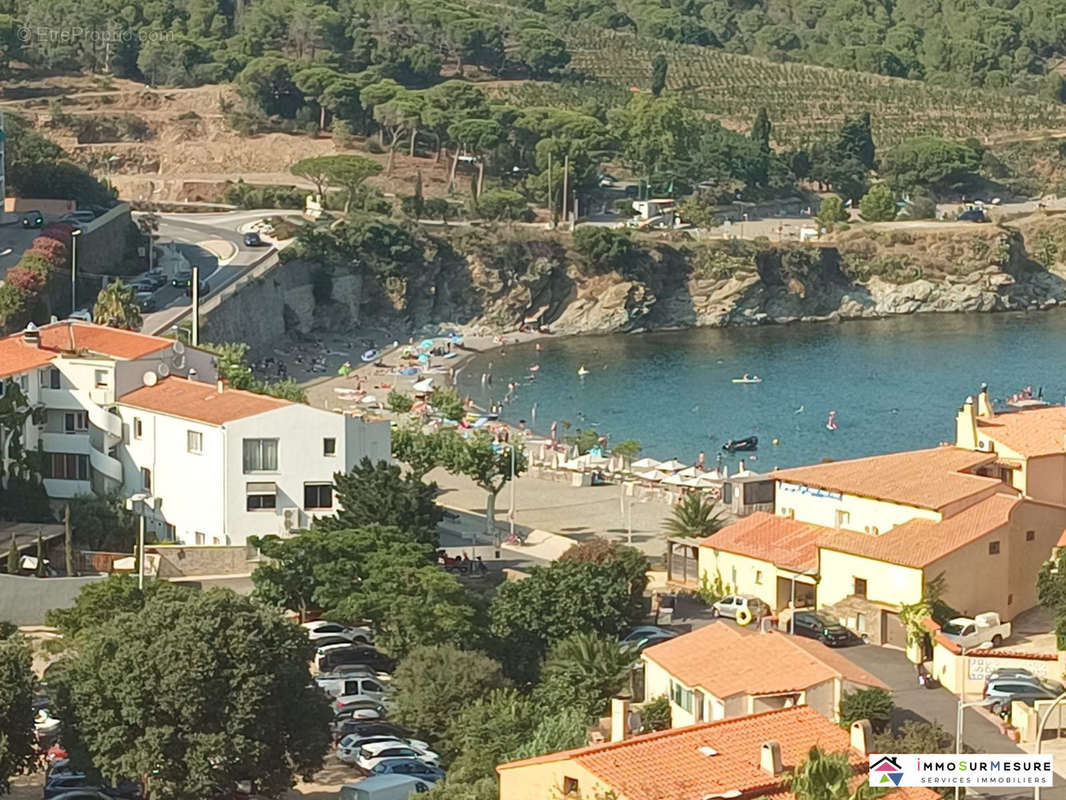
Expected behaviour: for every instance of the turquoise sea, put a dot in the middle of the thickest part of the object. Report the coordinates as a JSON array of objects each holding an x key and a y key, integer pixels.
[{"x": 894, "y": 383}]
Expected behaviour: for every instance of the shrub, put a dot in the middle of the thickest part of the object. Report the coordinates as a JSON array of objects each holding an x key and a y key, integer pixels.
[
  {"x": 878, "y": 204},
  {"x": 27, "y": 281},
  {"x": 60, "y": 231},
  {"x": 602, "y": 248},
  {"x": 875, "y": 705},
  {"x": 398, "y": 402},
  {"x": 12, "y": 301},
  {"x": 53, "y": 249},
  {"x": 36, "y": 261},
  {"x": 655, "y": 715},
  {"x": 832, "y": 210},
  {"x": 342, "y": 133},
  {"x": 373, "y": 146},
  {"x": 504, "y": 205}
]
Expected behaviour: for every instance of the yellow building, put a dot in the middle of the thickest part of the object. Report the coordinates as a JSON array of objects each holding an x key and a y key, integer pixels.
[
  {"x": 872, "y": 532},
  {"x": 745, "y": 757},
  {"x": 720, "y": 672}
]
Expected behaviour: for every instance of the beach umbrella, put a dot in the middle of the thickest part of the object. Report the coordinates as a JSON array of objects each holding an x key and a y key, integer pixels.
[
  {"x": 425, "y": 385},
  {"x": 674, "y": 480},
  {"x": 369, "y": 400},
  {"x": 673, "y": 465},
  {"x": 689, "y": 472},
  {"x": 645, "y": 464},
  {"x": 654, "y": 476}
]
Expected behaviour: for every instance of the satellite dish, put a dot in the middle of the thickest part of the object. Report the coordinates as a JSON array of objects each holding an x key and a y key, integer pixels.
[
  {"x": 179, "y": 348},
  {"x": 163, "y": 370},
  {"x": 149, "y": 379}
]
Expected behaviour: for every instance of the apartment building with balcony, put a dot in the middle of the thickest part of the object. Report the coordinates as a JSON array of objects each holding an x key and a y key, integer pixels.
[{"x": 126, "y": 413}]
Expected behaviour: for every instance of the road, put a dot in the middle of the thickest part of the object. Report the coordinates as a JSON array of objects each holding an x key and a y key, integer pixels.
[
  {"x": 199, "y": 237},
  {"x": 14, "y": 240}
]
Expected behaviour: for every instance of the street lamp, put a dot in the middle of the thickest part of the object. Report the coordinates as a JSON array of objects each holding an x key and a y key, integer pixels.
[
  {"x": 137, "y": 504},
  {"x": 958, "y": 722},
  {"x": 74, "y": 234}
]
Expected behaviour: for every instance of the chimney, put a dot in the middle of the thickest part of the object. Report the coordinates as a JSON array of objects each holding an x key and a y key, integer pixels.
[
  {"x": 770, "y": 758},
  {"x": 984, "y": 407},
  {"x": 619, "y": 718},
  {"x": 32, "y": 336},
  {"x": 966, "y": 426},
  {"x": 192, "y": 374},
  {"x": 220, "y": 386},
  {"x": 862, "y": 736}
]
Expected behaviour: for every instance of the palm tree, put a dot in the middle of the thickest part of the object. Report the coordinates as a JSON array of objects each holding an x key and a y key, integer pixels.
[
  {"x": 584, "y": 670},
  {"x": 117, "y": 306},
  {"x": 695, "y": 516},
  {"x": 829, "y": 776}
]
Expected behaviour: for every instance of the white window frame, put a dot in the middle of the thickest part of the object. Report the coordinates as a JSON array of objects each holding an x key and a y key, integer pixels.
[
  {"x": 259, "y": 443},
  {"x": 194, "y": 442}
]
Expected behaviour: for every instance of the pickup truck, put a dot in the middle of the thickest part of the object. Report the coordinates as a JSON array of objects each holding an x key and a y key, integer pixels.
[{"x": 983, "y": 631}]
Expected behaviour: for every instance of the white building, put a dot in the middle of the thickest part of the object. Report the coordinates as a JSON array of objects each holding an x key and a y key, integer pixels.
[{"x": 125, "y": 413}]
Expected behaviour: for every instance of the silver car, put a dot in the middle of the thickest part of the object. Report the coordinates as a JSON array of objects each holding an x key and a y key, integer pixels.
[
  {"x": 732, "y": 604},
  {"x": 1001, "y": 692}
]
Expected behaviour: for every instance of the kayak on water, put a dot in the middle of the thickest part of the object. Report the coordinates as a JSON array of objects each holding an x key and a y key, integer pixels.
[{"x": 748, "y": 379}]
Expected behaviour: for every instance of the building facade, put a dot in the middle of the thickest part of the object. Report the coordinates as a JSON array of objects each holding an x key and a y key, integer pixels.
[{"x": 117, "y": 412}]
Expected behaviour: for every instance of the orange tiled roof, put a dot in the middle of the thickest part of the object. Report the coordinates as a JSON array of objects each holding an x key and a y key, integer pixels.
[
  {"x": 1028, "y": 432},
  {"x": 75, "y": 336},
  {"x": 919, "y": 542},
  {"x": 200, "y": 401},
  {"x": 930, "y": 478},
  {"x": 780, "y": 540},
  {"x": 670, "y": 764},
  {"x": 727, "y": 662}
]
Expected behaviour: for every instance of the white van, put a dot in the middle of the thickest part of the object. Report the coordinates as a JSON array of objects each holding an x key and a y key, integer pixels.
[{"x": 385, "y": 787}]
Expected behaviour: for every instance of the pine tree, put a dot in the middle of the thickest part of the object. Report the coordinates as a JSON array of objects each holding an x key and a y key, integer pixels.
[
  {"x": 762, "y": 129},
  {"x": 658, "y": 74}
]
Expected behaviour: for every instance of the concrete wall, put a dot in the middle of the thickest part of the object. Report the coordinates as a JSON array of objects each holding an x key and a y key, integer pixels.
[
  {"x": 102, "y": 246},
  {"x": 819, "y": 507},
  {"x": 48, "y": 206},
  {"x": 24, "y": 601},
  {"x": 966, "y": 674},
  {"x": 545, "y": 780},
  {"x": 1045, "y": 478},
  {"x": 740, "y": 574},
  {"x": 885, "y": 583},
  {"x": 177, "y": 561}
]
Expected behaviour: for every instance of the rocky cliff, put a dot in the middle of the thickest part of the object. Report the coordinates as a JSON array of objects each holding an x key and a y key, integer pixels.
[{"x": 491, "y": 279}]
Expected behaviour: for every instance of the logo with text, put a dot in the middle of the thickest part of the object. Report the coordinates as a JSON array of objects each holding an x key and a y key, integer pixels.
[{"x": 976, "y": 769}]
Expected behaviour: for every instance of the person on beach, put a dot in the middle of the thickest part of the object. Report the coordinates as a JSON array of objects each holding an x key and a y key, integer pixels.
[
  {"x": 468, "y": 403},
  {"x": 701, "y": 462},
  {"x": 554, "y": 431}
]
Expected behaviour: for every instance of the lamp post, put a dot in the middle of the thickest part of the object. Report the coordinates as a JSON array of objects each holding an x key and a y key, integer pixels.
[
  {"x": 74, "y": 234},
  {"x": 136, "y": 504},
  {"x": 958, "y": 724}
]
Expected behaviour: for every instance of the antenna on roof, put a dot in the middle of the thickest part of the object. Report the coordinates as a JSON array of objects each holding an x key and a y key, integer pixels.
[{"x": 149, "y": 378}]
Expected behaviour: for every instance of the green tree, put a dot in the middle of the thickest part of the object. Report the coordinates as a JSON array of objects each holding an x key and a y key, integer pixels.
[
  {"x": 117, "y": 306},
  {"x": 433, "y": 684},
  {"x": 18, "y": 742},
  {"x": 542, "y": 51},
  {"x": 233, "y": 368},
  {"x": 857, "y": 141},
  {"x": 267, "y": 83},
  {"x": 582, "y": 672},
  {"x": 420, "y": 451},
  {"x": 1050, "y": 591},
  {"x": 878, "y": 204},
  {"x": 101, "y": 522},
  {"x": 826, "y": 776},
  {"x": 478, "y": 136},
  {"x": 504, "y": 205},
  {"x": 101, "y": 601},
  {"x": 655, "y": 132},
  {"x": 563, "y": 730},
  {"x": 875, "y": 705},
  {"x": 915, "y": 737},
  {"x": 655, "y": 715},
  {"x": 528, "y": 616},
  {"x": 398, "y": 402},
  {"x": 762, "y": 129},
  {"x": 929, "y": 161},
  {"x": 447, "y": 403},
  {"x": 831, "y": 211},
  {"x": 315, "y": 169},
  {"x": 486, "y": 732},
  {"x": 658, "y": 74},
  {"x": 351, "y": 173},
  {"x": 629, "y": 560},
  {"x": 604, "y": 249},
  {"x": 380, "y": 494},
  {"x": 258, "y": 717},
  {"x": 700, "y": 210},
  {"x": 696, "y": 515},
  {"x": 478, "y": 458}
]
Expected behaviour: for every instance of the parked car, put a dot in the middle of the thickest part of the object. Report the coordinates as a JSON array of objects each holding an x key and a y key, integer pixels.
[
  {"x": 1018, "y": 675},
  {"x": 146, "y": 301},
  {"x": 373, "y": 754},
  {"x": 730, "y": 606},
  {"x": 972, "y": 215},
  {"x": 61, "y": 766},
  {"x": 354, "y": 654},
  {"x": 83, "y": 794},
  {"x": 408, "y": 766},
  {"x": 32, "y": 219},
  {"x": 344, "y": 701},
  {"x": 323, "y": 628},
  {"x": 825, "y": 629},
  {"x": 385, "y": 787},
  {"x": 353, "y": 686},
  {"x": 367, "y": 727},
  {"x": 349, "y": 747},
  {"x": 349, "y": 670},
  {"x": 1001, "y": 693},
  {"x": 181, "y": 279},
  {"x": 70, "y": 781},
  {"x": 644, "y": 636},
  {"x": 364, "y": 708},
  {"x": 153, "y": 278},
  {"x": 984, "y": 630},
  {"x": 253, "y": 240}
]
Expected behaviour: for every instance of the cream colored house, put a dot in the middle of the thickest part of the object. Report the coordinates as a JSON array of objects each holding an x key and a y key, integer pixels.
[
  {"x": 720, "y": 672},
  {"x": 872, "y": 532},
  {"x": 746, "y": 757}
]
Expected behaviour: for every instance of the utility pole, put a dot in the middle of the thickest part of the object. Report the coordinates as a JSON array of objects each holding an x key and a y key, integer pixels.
[
  {"x": 3, "y": 171},
  {"x": 74, "y": 234},
  {"x": 566, "y": 188},
  {"x": 195, "y": 286}
]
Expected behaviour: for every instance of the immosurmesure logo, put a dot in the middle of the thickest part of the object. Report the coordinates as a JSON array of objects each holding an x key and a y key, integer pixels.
[
  {"x": 939, "y": 770},
  {"x": 886, "y": 771}
]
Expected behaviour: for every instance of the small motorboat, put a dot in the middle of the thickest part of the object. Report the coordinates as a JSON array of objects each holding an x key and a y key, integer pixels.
[
  {"x": 582, "y": 371},
  {"x": 748, "y": 379},
  {"x": 371, "y": 355},
  {"x": 736, "y": 445}
]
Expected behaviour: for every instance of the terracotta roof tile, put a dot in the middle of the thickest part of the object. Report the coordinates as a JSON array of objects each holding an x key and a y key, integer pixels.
[
  {"x": 75, "y": 336},
  {"x": 780, "y": 540},
  {"x": 930, "y": 478},
  {"x": 1028, "y": 432},
  {"x": 726, "y": 662},
  {"x": 200, "y": 401},
  {"x": 920, "y": 542},
  {"x": 670, "y": 763}
]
